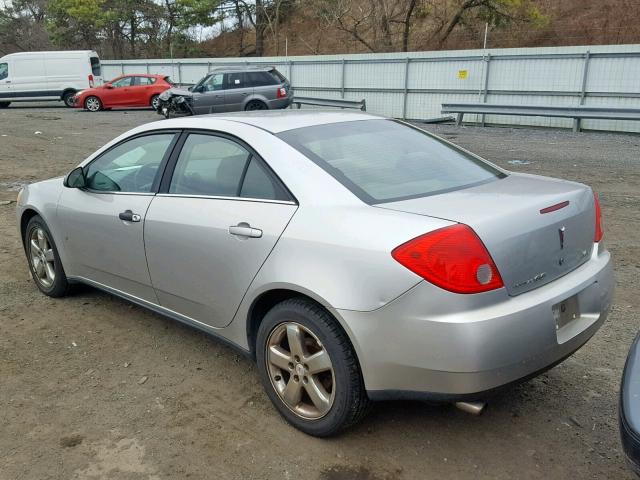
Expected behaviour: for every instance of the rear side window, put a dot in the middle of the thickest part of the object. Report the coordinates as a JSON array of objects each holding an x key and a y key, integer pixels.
[
  {"x": 4, "y": 70},
  {"x": 236, "y": 80},
  {"x": 209, "y": 165},
  {"x": 96, "y": 69},
  {"x": 384, "y": 160},
  {"x": 142, "y": 81},
  {"x": 258, "y": 183},
  {"x": 261, "y": 79},
  {"x": 214, "y": 166}
]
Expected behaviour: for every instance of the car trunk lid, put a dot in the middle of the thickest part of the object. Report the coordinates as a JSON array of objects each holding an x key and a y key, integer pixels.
[{"x": 536, "y": 229}]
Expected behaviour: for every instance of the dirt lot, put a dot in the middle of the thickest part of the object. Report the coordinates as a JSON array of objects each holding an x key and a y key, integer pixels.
[{"x": 72, "y": 404}]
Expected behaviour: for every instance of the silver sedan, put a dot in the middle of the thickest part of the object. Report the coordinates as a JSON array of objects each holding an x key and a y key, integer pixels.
[{"x": 355, "y": 258}]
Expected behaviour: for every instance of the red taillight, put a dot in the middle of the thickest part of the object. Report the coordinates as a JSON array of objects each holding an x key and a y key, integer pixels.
[
  {"x": 599, "y": 231},
  {"x": 91, "y": 81},
  {"x": 282, "y": 92},
  {"x": 453, "y": 258}
]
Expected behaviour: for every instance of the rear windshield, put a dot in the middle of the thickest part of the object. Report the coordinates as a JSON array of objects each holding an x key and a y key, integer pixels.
[
  {"x": 169, "y": 81},
  {"x": 95, "y": 67},
  {"x": 385, "y": 161}
]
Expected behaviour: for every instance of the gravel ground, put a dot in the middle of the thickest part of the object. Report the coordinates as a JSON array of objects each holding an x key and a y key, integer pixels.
[{"x": 74, "y": 403}]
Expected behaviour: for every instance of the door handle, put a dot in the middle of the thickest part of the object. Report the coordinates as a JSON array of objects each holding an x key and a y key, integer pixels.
[
  {"x": 129, "y": 216},
  {"x": 243, "y": 229}
]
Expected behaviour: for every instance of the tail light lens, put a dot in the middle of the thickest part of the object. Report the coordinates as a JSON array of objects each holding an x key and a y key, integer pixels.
[
  {"x": 599, "y": 230},
  {"x": 453, "y": 258},
  {"x": 91, "y": 81},
  {"x": 282, "y": 92}
]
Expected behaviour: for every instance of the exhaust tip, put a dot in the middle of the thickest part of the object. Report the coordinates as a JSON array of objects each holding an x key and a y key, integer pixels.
[{"x": 474, "y": 408}]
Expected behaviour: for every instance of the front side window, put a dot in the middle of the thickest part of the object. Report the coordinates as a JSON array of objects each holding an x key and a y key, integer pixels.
[
  {"x": 384, "y": 160},
  {"x": 122, "y": 82},
  {"x": 4, "y": 70},
  {"x": 129, "y": 167},
  {"x": 145, "y": 81},
  {"x": 214, "y": 82},
  {"x": 209, "y": 165}
]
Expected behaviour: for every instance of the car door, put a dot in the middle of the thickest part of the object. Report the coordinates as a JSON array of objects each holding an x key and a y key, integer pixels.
[
  {"x": 237, "y": 90},
  {"x": 209, "y": 96},
  {"x": 120, "y": 92},
  {"x": 141, "y": 91},
  {"x": 211, "y": 227},
  {"x": 103, "y": 223},
  {"x": 5, "y": 82}
]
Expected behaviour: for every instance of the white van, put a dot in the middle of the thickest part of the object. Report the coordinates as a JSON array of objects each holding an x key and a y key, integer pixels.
[{"x": 36, "y": 76}]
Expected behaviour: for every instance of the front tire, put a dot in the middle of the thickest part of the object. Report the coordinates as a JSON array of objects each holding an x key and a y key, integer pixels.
[
  {"x": 93, "y": 104},
  {"x": 309, "y": 369},
  {"x": 44, "y": 261},
  {"x": 4, "y": 104}
]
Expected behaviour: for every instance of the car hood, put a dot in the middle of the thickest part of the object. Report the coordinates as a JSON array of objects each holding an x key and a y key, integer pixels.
[{"x": 174, "y": 92}]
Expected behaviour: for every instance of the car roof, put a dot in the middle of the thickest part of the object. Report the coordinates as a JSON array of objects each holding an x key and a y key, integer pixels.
[
  {"x": 276, "y": 121},
  {"x": 243, "y": 68}
]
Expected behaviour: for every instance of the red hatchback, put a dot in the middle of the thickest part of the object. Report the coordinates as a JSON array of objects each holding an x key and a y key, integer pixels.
[{"x": 123, "y": 92}]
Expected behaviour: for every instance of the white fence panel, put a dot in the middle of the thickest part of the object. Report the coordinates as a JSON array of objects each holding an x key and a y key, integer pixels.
[{"x": 414, "y": 85}]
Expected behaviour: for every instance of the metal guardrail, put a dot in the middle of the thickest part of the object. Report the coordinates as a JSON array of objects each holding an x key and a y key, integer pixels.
[
  {"x": 577, "y": 113},
  {"x": 329, "y": 102}
]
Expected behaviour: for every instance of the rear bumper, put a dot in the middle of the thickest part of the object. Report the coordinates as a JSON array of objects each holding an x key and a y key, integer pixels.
[
  {"x": 280, "y": 103},
  {"x": 433, "y": 344}
]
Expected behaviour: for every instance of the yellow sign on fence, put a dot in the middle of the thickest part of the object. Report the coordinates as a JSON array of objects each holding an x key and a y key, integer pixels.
[{"x": 463, "y": 74}]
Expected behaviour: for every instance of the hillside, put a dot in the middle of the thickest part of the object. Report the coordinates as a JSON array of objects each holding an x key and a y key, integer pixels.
[{"x": 567, "y": 22}]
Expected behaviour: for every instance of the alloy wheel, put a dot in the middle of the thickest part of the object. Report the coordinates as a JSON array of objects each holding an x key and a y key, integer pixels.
[
  {"x": 155, "y": 101},
  {"x": 92, "y": 104},
  {"x": 300, "y": 370},
  {"x": 41, "y": 257}
]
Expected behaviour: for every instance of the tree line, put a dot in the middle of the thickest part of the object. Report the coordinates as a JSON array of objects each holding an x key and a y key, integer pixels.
[{"x": 185, "y": 28}]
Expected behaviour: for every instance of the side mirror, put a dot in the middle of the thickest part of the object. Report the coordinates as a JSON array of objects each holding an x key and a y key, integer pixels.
[
  {"x": 75, "y": 178},
  {"x": 191, "y": 88},
  {"x": 108, "y": 86}
]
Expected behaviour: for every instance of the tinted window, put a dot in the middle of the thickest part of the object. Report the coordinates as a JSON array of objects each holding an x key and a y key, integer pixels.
[
  {"x": 383, "y": 160},
  {"x": 278, "y": 76},
  {"x": 211, "y": 83},
  {"x": 260, "y": 79},
  {"x": 122, "y": 82},
  {"x": 4, "y": 70},
  {"x": 258, "y": 183},
  {"x": 95, "y": 66},
  {"x": 236, "y": 80},
  {"x": 209, "y": 165},
  {"x": 145, "y": 81},
  {"x": 130, "y": 167}
]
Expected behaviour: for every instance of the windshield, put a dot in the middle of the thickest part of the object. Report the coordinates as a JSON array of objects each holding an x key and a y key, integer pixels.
[{"x": 384, "y": 160}]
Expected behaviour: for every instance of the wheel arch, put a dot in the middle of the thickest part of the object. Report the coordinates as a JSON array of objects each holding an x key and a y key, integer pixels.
[
  {"x": 27, "y": 215},
  {"x": 67, "y": 91},
  {"x": 268, "y": 299},
  {"x": 255, "y": 98}
]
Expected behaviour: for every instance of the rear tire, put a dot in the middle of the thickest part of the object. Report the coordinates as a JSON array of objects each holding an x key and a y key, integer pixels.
[
  {"x": 4, "y": 104},
  {"x": 44, "y": 262},
  {"x": 324, "y": 398},
  {"x": 256, "y": 105},
  {"x": 93, "y": 104},
  {"x": 67, "y": 98}
]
